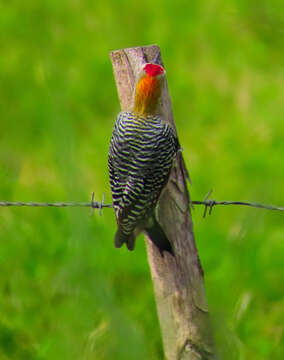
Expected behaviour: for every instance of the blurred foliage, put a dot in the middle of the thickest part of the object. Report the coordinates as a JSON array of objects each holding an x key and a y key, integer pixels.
[{"x": 66, "y": 293}]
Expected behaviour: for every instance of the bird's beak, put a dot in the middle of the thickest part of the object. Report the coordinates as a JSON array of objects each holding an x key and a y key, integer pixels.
[{"x": 157, "y": 59}]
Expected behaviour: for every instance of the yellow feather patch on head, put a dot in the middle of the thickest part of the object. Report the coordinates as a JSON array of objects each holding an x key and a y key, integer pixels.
[{"x": 148, "y": 91}]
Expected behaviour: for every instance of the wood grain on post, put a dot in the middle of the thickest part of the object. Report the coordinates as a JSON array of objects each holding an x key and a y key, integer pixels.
[{"x": 178, "y": 280}]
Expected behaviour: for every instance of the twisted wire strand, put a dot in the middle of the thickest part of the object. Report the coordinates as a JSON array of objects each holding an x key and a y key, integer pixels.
[
  {"x": 211, "y": 203},
  {"x": 95, "y": 204},
  {"x": 207, "y": 203}
]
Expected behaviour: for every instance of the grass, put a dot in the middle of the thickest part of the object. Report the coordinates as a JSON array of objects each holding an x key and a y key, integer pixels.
[{"x": 66, "y": 293}]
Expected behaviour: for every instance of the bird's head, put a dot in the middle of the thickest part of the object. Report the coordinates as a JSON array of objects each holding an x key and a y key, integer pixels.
[{"x": 148, "y": 89}]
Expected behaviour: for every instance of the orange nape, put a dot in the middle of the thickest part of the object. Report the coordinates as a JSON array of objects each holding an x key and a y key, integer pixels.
[{"x": 148, "y": 91}]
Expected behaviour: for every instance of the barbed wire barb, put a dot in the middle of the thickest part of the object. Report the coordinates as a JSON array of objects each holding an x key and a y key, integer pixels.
[
  {"x": 206, "y": 203},
  {"x": 93, "y": 202},
  {"x": 102, "y": 204}
]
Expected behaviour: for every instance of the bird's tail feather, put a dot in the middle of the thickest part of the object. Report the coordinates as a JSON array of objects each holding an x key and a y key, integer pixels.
[
  {"x": 120, "y": 238},
  {"x": 158, "y": 237}
]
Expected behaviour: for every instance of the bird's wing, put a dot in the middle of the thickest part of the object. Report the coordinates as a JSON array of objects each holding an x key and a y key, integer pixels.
[
  {"x": 149, "y": 165},
  {"x": 140, "y": 159}
]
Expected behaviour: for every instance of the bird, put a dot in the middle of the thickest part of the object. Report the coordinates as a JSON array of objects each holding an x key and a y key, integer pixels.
[{"x": 142, "y": 151}]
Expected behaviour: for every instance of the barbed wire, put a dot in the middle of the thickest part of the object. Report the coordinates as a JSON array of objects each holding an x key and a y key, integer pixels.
[
  {"x": 210, "y": 203},
  {"x": 207, "y": 203}
]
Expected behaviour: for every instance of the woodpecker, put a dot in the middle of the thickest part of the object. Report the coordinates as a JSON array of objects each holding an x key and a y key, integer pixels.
[{"x": 142, "y": 150}]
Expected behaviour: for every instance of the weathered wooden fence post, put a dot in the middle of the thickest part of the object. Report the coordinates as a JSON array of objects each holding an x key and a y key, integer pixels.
[{"x": 178, "y": 281}]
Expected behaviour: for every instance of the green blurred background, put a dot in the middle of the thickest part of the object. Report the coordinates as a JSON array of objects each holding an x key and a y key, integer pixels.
[{"x": 66, "y": 293}]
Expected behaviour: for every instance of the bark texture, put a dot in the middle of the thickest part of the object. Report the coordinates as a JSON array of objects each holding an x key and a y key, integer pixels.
[{"x": 178, "y": 280}]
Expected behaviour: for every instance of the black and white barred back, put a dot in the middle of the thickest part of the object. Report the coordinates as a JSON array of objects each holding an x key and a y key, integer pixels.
[{"x": 141, "y": 155}]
